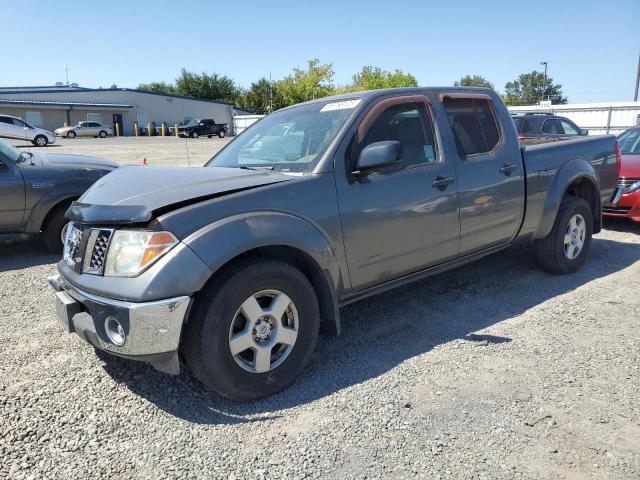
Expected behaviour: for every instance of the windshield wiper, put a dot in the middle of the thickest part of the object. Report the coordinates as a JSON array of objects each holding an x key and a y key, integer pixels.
[{"x": 256, "y": 167}]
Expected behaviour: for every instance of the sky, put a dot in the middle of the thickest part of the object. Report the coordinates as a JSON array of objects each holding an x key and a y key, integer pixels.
[{"x": 591, "y": 47}]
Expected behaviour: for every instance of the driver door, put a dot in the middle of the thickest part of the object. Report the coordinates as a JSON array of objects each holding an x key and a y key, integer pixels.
[
  {"x": 13, "y": 196},
  {"x": 403, "y": 218}
]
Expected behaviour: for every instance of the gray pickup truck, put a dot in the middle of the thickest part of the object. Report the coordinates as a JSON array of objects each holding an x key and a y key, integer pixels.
[
  {"x": 238, "y": 266},
  {"x": 37, "y": 188}
]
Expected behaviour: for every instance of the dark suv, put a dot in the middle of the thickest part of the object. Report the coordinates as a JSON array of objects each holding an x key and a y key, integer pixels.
[
  {"x": 200, "y": 128},
  {"x": 545, "y": 127}
]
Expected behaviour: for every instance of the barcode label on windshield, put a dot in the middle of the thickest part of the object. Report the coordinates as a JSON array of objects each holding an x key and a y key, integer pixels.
[{"x": 345, "y": 105}]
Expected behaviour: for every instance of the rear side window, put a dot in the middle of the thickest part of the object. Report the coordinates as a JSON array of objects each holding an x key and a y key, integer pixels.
[
  {"x": 529, "y": 125},
  {"x": 517, "y": 121},
  {"x": 552, "y": 126},
  {"x": 474, "y": 125}
]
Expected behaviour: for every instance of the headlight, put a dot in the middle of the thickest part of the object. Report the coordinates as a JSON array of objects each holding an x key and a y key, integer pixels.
[
  {"x": 132, "y": 251},
  {"x": 634, "y": 187}
]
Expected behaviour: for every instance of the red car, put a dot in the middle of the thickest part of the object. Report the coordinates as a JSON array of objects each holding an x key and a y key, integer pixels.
[{"x": 626, "y": 202}]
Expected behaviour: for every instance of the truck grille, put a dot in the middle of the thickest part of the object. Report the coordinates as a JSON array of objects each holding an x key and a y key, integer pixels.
[{"x": 96, "y": 251}]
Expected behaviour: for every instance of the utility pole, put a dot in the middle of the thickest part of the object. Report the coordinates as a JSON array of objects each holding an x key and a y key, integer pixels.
[
  {"x": 635, "y": 96},
  {"x": 544, "y": 85}
]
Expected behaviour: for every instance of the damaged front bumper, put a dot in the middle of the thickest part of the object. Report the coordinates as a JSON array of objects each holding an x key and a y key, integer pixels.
[{"x": 148, "y": 332}]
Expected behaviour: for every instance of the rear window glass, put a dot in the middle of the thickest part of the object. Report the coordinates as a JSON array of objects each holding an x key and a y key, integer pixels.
[
  {"x": 630, "y": 142},
  {"x": 474, "y": 125}
]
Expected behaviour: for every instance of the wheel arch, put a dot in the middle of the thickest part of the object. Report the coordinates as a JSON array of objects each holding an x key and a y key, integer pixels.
[
  {"x": 276, "y": 236},
  {"x": 46, "y": 207},
  {"x": 576, "y": 177}
]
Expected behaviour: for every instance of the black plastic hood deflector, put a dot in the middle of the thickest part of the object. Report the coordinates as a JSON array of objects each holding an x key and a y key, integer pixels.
[{"x": 136, "y": 194}]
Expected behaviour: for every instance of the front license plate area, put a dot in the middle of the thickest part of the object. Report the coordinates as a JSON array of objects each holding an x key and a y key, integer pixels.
[{"x": 66, "y": 308}]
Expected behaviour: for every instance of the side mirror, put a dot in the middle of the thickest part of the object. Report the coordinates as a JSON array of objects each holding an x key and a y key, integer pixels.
[
  {"x": 377, "y": 155},
  {"x": 584, "y": 131}
]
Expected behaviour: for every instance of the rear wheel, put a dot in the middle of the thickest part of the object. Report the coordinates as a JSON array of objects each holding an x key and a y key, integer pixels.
[
  {"x": 40, "y": 141},
  {"x": 252, "y": 333},
  {"x": 71, "y": 134},
  {"x": 102, "y": 134},
  {"x": 566, "y": 247},
  {"x": 52, "y": 231},
  {"x": 221, "y": 133}
]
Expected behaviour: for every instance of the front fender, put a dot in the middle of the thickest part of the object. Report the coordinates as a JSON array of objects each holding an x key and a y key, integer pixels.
[
  {"x": 227, "y": 238},
  {"x": 48, "y": 202},
  {"x": 571, "y": 171}
]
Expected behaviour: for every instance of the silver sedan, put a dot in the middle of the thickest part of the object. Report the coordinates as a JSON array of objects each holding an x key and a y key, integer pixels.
[{"x": 85, "y": 129}]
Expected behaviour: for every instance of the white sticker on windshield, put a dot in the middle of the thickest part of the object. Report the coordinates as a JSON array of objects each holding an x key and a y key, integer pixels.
[{"x": 345, "y": 105}]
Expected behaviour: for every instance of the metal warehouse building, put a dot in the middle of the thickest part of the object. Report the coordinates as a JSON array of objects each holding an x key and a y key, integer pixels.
[{"x": 51, "y": 107}]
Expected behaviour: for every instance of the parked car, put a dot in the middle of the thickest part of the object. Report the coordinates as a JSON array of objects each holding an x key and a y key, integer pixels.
[
  {"x": 536, "y": 128},
  {"x": 239, "y": 266},
  {"x": 36, "y": 190},
  {"x": 626, "y": 202},
  {"x": 200, "y": 128},
  {"x": 85, "y": 129},
  {"x": 16, "y": 128}
]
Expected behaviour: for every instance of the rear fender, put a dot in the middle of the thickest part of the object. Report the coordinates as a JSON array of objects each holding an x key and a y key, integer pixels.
[
  {"x": 228, "y": 238},
  {"x": 573, "y": 170}
]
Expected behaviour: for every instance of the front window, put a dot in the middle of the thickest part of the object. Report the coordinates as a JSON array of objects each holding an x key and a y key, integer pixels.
[
  {"x": 289, "y": 141},
  {"x": 569, "y": 128},
  {"x": 630, "y": 142}
]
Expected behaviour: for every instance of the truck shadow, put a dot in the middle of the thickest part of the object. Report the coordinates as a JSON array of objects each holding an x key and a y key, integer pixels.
[
  {"x": 19, "y": 251},
  {"x": 621, "y": 225},
  {"x": 384, "y": 331}
]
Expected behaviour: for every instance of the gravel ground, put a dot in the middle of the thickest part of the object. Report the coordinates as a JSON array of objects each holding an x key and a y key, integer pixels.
[
  {"x": 496, "y": 370},
  {"x": 159, "y": 151}
]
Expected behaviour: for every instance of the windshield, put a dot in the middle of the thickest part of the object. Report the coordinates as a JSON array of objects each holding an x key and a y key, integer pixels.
[
  {"x": 192, "y": 123},
  {"x": 630, "y": 142},
  {"x": 9, "y": 152},
  {"x": 290, "y": 140}
]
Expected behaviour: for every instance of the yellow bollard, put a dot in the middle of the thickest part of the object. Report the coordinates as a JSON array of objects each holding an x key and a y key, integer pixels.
[
  {"x": 163, "y": 129},
  {"x": 135, "y": 128},
  {"x": 66, "y": 124},
  {"x": 149, "y": 129},
  {"x": 176, "y": 129},
  {"x": 117, "y": 129}
]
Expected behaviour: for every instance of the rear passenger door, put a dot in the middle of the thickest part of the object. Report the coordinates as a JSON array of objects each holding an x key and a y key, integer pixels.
[
  {"x": 489, "y": 172},
  {"x": 396, "y": 220}
]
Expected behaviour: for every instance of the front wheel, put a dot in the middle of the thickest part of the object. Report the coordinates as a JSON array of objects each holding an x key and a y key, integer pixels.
[
  {"x": 71, "y": 134},
  {"x": 566, "y": 247},
  {"x": 253, "y": 331},
  {"x": 194, "y": 134},
  {"x": 53, "y": 228},
  {"x": 40, "y": 141}
]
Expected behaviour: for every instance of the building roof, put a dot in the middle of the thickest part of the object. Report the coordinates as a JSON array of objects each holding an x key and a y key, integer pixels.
[{"x": 41, "y": 103}]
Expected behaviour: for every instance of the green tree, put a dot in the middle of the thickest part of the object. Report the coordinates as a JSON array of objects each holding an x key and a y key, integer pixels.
[
  {"x": 261, "y": 97},
  {"x": 473, "y": 81},
  {"x": 371, "y": 78},
  {"x": 157, "y": 87},
  {"x": 209, "y": 86},
  {"x": 302, "y": 85},
  {"x": 530, "y": 88}
]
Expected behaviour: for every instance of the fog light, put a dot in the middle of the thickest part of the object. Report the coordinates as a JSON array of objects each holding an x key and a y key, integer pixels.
[{"x": 115, "y": 331}]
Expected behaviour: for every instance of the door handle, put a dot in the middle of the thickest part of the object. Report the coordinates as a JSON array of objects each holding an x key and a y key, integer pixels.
[
  {"x": 507, "y": 168},
  {"x": 441, "y": 182}
]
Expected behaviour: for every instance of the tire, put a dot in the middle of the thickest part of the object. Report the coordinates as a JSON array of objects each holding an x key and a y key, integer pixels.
[
  {"x": 194, "y": 134},
  {"x": 209, "y": 136},
  {"x": 567, "y": 246},
  {"x": 52, "y": 231},
  {"x": 40, "y": 141},
  {"x": 71, "y": 134},
  {"x": 221, "y": 133},
  {"x": 102, "y": 134},
  {"x": 217, "y": 316}
]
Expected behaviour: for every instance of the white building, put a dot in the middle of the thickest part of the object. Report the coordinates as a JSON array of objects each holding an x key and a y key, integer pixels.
[{"x": 52, "y": 107}]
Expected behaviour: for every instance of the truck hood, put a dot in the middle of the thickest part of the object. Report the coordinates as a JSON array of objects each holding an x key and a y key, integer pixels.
[
  {"x": 76, "y": 161},
  {"x": 133, "y": 194},
  {"x": 630, "y": 167}
]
